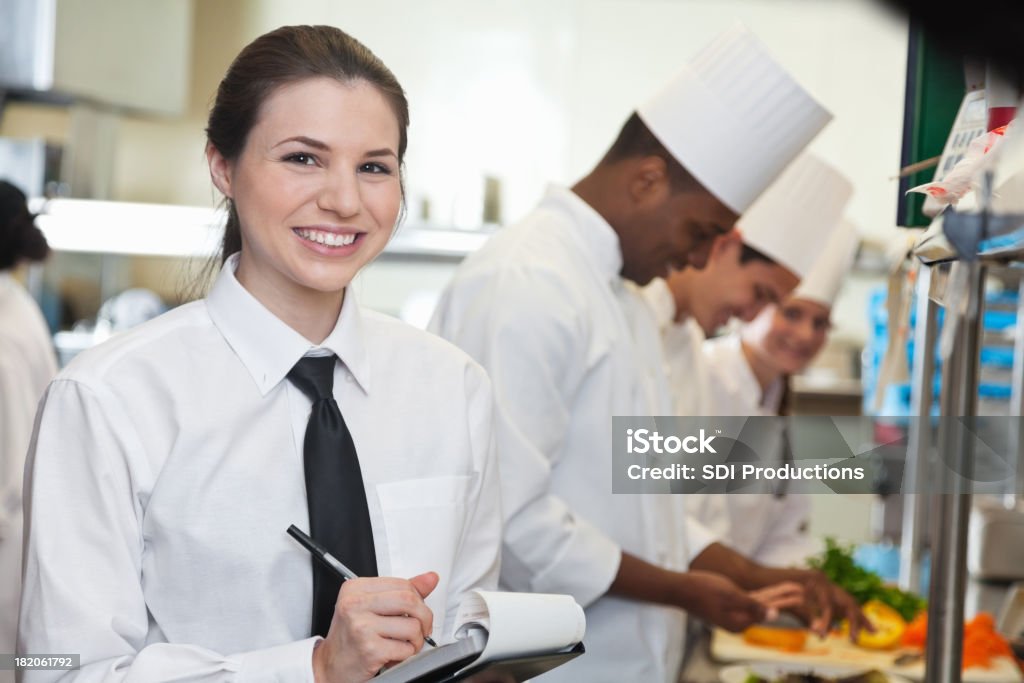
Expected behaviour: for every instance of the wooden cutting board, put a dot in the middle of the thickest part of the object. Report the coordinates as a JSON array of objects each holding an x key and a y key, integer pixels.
[{"x": 730, "y": 647}]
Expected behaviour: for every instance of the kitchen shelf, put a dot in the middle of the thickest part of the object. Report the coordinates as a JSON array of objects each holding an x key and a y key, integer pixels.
[
  {"x": 969, "y": 243},
  {"x": 123, "y": 228}
]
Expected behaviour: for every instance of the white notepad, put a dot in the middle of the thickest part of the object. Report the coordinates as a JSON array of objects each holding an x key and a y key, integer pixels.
[{"x": 492, "y": 625}]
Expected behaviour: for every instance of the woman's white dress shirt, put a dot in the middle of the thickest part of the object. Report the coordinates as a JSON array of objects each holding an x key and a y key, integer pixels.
[
  {"x": 769, "y": 530},
  {"x": 567, "y": 345},
  {"x": 27, "y": 364},
  {"x": 167, "y": 465}
]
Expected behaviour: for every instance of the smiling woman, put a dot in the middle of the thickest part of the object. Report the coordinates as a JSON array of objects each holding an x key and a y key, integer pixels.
[
  {"x": 169, "y": 462},
  {"x": 784, "y": 339},
  {"x": 311, "y": 147}
]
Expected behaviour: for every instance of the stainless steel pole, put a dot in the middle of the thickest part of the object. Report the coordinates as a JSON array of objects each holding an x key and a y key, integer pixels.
[
  {"x": 917, "y": 468},
  {"x": 949, "y": 565},
  {"x": 1016, "y": 454},
  {"x": 941, "y": 542}
]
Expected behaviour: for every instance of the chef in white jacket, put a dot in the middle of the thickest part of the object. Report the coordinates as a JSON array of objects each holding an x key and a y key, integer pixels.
[
  {"x": 776, "y": 243},
  {"x": 748, "y": 374},
  {"x": 544, "y": 306},
  {"x": 27, "y": 364}
]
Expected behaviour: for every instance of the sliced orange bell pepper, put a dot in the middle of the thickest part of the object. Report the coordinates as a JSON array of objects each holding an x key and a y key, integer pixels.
[{"x": 788, "y": 639}]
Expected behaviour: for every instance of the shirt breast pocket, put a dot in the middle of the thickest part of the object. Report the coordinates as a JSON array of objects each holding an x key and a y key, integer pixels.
[{"x": 423, "y": 520}]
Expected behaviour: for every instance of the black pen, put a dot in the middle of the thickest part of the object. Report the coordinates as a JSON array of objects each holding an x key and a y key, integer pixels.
[{"x": 330, "y": 561}]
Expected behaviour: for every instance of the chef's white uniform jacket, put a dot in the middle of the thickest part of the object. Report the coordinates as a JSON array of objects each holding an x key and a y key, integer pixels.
[
  {"x": 770, "y": 530},
  {"x": 568, "y": 345},
  {"x": 27, "y": 364},
  {"x": 681, "y": 341},
  {"x": 168, "y": 463}
]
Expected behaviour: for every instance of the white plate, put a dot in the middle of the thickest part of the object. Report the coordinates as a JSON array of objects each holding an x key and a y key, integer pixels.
[{"x": 738, "y": 673}]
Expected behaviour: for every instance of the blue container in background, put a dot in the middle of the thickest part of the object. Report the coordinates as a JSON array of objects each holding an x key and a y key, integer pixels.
[
  {"x": 996, "y": 361},
  {"x": 884, "y": 559}
]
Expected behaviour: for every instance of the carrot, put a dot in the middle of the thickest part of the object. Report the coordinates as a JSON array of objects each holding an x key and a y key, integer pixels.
[
  {"x": 917, "y": 631},
  {"x": 982, "y": 642}
]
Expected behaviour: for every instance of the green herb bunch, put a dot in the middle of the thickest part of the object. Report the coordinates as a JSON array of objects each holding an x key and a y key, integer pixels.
[{"x": 838, "y": 565}]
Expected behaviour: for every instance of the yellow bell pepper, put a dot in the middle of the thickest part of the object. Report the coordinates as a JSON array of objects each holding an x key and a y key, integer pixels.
[{"x": 889, "y": 626}]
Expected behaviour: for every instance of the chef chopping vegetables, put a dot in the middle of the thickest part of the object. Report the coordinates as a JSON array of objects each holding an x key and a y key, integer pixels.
[{"x": 545, "y": 306}]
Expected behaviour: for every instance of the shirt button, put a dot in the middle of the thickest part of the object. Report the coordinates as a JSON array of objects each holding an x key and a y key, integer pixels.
[{"x": 349, "y": 378}]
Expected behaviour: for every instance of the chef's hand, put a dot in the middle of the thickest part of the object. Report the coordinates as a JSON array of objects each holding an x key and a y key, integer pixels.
[
  {"x": 846, "y": 605},
  {"x": 776, "y": 598},
  {"x": 826, "y": 601},
  {"x": 377, "y": 622},
  {"x": 719, "y": 601},
  {"x": 822, "y": 599}
]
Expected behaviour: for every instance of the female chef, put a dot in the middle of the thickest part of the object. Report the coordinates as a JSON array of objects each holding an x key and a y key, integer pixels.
[
  {"x": 168, "y": 463},
  {"x": 749, "y": 375}
]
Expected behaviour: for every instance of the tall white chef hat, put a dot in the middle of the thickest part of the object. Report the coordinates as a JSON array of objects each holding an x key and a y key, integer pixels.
[
  {"x": 830, "y": 269},
  {"x": 734, "y": 118},
  {"x": 792, "y": 221}
]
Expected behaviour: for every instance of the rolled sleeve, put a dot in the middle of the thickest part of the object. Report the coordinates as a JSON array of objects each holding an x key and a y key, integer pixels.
[
  {"x": 535, "y": 374},
  {"x": 698, "y": 538},
  {"x": 585, "y": 569}
]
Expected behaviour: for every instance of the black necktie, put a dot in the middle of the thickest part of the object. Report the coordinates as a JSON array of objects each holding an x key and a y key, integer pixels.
[{"x": 338, "y": 515}]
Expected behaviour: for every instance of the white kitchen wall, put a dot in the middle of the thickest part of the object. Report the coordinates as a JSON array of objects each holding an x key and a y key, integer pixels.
[
  {"x": 487, "y": 85},
  {"x": 849, "y": 53},
  {"x": 532, "y": 91},
  {"x": 846, "y": 517}
]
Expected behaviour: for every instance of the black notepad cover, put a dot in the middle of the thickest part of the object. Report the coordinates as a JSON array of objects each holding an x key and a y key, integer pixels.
[{"x": 508, "y": 670}]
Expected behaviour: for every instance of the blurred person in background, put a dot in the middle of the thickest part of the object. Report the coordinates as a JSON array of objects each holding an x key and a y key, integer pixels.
[
  {"x": 776, "y": 244},
  {"x": 27, "y": 363},
  {"x": 748, "y": 375}
]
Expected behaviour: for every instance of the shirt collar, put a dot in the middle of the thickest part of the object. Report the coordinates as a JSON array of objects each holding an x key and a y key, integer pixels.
[
  {"x": 661, "y": 301},
  {"x": 598, "y": 239},
  {"x": 267, "y": 346},
  {"x": 772, "y": 399},
  {"x": 768, "y": 399}
]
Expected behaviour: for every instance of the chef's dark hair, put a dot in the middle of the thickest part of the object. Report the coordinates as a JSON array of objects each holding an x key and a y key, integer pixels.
[
  {"x": 20, "y": 239},
  {"x": 636, "y": 140},
  {"x": 283, "y": 56},
  {"x": 748, "y": 253}
]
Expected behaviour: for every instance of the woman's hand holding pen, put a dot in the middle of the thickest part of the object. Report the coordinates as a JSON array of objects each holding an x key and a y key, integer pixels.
[{"x": 377, "y": 622}]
